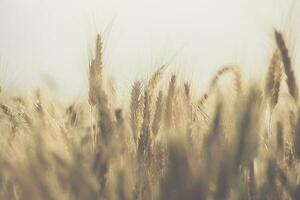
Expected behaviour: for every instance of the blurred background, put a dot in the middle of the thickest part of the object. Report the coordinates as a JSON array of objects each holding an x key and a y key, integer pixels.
[{"x": 48, "y": 43}]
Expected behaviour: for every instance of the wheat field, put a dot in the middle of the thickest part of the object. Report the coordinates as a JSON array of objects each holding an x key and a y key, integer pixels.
[{"x": 167, "y": 143}]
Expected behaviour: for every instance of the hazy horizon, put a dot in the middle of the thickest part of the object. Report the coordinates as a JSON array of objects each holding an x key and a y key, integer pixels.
[{"x": 48, "y": 42}]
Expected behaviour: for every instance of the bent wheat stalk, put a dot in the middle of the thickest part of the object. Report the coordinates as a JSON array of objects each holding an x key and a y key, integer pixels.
[{"x": 291, "y": 80}]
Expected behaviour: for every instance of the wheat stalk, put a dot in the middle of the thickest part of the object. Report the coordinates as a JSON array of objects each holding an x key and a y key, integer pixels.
[
  {"x": 169, "y": 102},
  {"x": 135, "y": 108},
  {"x": 291, "y": 81}
]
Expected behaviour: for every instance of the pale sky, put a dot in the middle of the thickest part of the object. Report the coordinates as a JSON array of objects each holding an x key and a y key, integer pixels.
[{"x": 46, "y": 42}]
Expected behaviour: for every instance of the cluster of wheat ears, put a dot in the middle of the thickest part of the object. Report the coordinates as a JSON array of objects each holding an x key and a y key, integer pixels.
[{"x": 168, "y": 143}]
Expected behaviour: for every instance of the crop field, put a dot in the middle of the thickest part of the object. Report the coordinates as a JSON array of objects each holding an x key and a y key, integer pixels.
[{"x": 166, "y": 142}]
